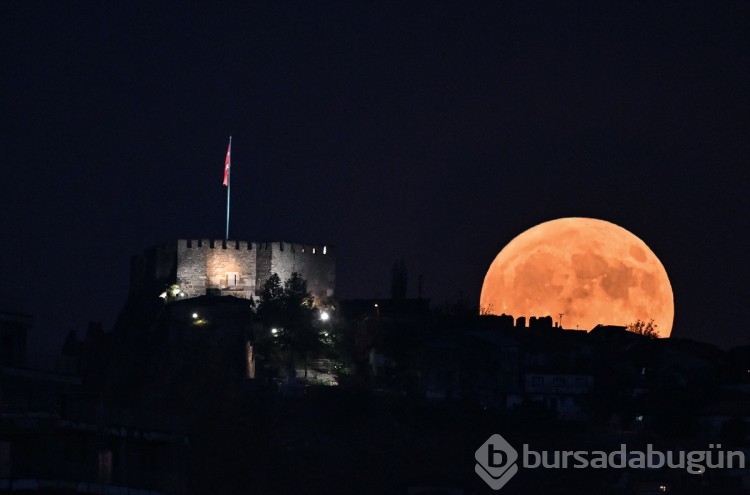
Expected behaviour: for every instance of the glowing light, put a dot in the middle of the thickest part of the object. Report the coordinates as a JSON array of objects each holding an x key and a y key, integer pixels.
[
  {"x": 590, "y": 270},
  {"x": 324, "y": 315},
  {"x": 274, "y": 331},
  {"x": 195, "y": 316}
]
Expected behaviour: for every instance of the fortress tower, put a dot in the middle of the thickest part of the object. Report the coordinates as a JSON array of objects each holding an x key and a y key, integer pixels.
[{"x": 238, "y": 268}]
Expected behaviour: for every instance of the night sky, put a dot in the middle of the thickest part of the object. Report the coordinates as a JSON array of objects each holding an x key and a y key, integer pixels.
[{"x": 431, "y": 131}]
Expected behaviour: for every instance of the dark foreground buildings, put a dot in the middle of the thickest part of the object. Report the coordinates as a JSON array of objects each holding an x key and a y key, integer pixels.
[{"x": 194, "y": 395}]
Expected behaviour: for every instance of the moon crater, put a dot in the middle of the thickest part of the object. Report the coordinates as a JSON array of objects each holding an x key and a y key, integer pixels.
[{"x": 590, "y": 270}]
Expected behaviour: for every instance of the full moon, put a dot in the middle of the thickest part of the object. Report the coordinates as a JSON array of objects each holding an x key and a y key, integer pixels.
[{"x": 590, "y": 270}]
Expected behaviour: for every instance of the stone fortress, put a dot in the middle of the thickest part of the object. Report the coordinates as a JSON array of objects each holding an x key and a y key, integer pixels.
[{"x": 238, "y": 268}]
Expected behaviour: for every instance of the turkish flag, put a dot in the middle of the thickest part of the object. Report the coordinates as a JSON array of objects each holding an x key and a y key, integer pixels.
[{"x": 227, "y": 163}]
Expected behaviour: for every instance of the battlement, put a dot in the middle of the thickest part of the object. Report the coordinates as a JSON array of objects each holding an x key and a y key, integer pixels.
[
  {"x": 297, "y": 248},
  {"x": 240, "y": 268},
  {"x": 184, "y": 244},
  {"x": 316, "y": 263}
]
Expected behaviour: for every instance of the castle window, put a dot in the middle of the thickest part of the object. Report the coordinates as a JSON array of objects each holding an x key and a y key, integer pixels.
[{"x": 233, "y": 279}]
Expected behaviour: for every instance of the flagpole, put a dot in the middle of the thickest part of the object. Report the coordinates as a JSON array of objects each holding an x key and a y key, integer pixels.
[{"x": 229, "y": 185}]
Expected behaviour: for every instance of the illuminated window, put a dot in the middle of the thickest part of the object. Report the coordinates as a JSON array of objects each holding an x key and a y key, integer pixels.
[
  {"x": 233, "y": 279},
  {"x": 325, "y": 248}
]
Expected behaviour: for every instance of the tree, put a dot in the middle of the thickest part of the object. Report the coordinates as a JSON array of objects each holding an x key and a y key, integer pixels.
[
  {"x": 642, "y": 328},
  {"x": 288, "y": 311},
  {"x": 295, "y": 293},
  {"x": 170, "y": 293},
  {"x": 272, "y": 289},
  {"x": 271, "y": 305}
]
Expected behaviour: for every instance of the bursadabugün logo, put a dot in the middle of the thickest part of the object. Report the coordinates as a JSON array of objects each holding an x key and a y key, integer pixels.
[{"x": 496, "y": 460}]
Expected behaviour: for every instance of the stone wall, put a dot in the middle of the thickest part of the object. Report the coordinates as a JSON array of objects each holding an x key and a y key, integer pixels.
[
  {"x": 263, "y": 264},
  {"x": 241, "y": 268},
  {"x": 316, "y": 264},
  {"x": 191, "y": 266},
  {"x": 231, "y": 267}
]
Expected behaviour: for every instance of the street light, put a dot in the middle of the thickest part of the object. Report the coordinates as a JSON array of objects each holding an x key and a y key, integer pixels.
[{"x": 324, "y": 316}]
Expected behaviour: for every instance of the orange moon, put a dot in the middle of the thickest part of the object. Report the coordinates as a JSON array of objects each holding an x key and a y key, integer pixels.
[{"x": 590, "y": 270}]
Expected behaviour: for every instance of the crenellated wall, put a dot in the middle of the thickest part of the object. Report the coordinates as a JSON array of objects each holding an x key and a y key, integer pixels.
[
  {"x": 232, "y": 267},
  {"x": 316, "y": 264}
]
